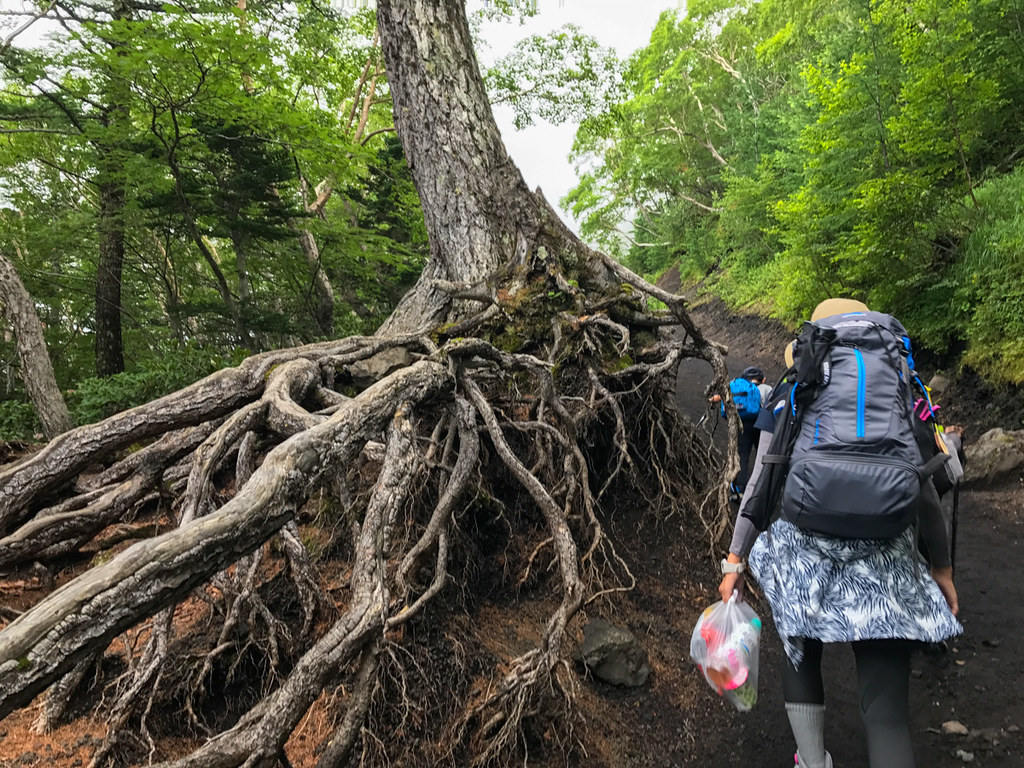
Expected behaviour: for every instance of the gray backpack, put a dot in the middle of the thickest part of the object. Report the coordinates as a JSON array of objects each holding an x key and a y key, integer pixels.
[{"x": 855, "y": 467}]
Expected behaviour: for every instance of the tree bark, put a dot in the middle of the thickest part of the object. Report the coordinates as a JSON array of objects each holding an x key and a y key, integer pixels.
[
  {"x": 475, "y": 202},
  {"x": 109, "y": 343},
  {"x": 36, "y": 369}
]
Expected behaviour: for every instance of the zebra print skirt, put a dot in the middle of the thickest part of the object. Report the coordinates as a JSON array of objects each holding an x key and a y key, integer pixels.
[{"x": 840, "y": 590}]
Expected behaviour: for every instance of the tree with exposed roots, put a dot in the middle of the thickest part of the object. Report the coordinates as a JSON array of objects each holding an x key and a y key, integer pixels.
[{"x": 310, "y": 520}]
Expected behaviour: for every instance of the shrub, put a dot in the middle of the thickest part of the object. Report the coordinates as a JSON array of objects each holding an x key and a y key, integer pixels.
[
  {"x": 991, "y": 281},
  {"x": 18, "y": 421},
  {"x": 95, "y": 399}
]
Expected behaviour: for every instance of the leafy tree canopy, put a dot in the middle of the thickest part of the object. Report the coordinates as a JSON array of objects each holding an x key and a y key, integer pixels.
[
  {"x": 787, "y": 150},
  {"x": 251, "y": 147}
]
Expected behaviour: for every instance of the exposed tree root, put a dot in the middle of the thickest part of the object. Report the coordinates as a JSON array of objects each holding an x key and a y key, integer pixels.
[
  {"x": 55, "y": 705},
  {"x": 259, "y": 737},
  {"x": 317, "y": 526},
  {"x": 280, "y": 475},
  {"x": 338, "y": 746}
]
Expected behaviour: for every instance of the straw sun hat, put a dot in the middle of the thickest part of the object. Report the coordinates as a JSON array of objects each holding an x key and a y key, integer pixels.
[{"x": 827, "y": 308}]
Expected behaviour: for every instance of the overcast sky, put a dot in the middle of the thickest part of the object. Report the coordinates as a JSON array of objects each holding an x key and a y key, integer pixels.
[{"x": 542, "y": 150}]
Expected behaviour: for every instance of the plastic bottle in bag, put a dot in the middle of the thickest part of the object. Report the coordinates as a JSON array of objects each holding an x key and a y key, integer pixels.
[
  {"x": 725, "y": 644},
  {"x": 729, "y": 661}
]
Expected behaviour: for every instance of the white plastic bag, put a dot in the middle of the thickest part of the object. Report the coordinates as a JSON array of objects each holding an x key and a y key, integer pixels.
[{"x": 725, "y": 645}]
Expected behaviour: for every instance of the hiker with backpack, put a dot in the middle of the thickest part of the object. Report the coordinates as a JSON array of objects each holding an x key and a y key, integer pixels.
[
  {"x": 950, "y": 439},
  {"x": 842, "y": 459},
  {"x": 749, "y": 393}
]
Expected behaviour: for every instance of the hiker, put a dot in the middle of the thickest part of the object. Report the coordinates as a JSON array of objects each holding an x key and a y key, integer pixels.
[
  {"x": 947, "y": 482},
  {"x": 948, "y": 499},
  {"x": 747, "y": 440},
  {"x": 756, "y": 375},
  {"x": 750, "y": 394},
  {"x": 872, "y": 592}
]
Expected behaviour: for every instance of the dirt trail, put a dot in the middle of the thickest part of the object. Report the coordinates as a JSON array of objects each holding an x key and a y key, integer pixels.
[{"x": 678, "y": 721}]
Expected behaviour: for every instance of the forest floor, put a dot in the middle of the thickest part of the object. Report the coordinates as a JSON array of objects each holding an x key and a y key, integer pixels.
[{"x": 675, "y": 719}]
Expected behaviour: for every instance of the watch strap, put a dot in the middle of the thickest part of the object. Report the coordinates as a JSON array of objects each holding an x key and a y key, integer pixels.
[{"x": 728, "y": 567}]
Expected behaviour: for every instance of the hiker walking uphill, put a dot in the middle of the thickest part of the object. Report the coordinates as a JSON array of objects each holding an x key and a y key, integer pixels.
[
  {"x": 750, "y": 394},
  {"x": 851, "y": 474},
  {"x": 950, "y": 440}
]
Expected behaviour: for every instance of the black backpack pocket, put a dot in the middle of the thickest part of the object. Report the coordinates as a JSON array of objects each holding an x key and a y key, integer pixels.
[{"x": 851, "y": 495}]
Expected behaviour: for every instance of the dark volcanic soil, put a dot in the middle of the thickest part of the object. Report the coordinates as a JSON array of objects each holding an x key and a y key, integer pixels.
[{"x": 677, "y": 720}]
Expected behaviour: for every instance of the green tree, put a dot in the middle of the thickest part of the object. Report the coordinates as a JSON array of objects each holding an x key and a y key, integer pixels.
[
  {"x": 785, "y": 150},
  {"x": 207, "y": 187}
]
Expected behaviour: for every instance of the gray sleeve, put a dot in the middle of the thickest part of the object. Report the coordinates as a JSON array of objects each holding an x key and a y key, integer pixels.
[
  {"x": 956, "y": 447},
  {"x": 956, "y": 468},
  {"x": 744, "y": 533}
]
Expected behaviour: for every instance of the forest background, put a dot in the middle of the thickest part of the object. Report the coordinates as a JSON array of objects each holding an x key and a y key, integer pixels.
[
  {"x": 396, "y": 533},
  {"x": 182, "y": 187}
]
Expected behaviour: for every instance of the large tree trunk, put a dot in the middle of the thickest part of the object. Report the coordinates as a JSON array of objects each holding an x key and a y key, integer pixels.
[
  {"x": 393, "y": 473},
  {"x": 36, "y": 369},
  {"x": 109, "y": 344},
  {"x": 476, "y": 205}
]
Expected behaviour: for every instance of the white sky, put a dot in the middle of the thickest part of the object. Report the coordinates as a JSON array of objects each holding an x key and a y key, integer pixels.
[{"x": 542, "y": 150}]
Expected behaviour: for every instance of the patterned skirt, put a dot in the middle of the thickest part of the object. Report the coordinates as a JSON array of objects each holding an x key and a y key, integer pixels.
[{"x": 840, "y": 590}]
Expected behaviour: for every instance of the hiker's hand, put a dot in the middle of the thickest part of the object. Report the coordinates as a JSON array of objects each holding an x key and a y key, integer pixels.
[
  {"x": 715, "y": 399},
  {"x": 944, "y": 578},
  {"x": 730, "y": 582}
]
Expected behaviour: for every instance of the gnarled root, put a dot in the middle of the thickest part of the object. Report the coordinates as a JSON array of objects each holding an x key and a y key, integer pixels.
[{"x": 316, "y": 532}]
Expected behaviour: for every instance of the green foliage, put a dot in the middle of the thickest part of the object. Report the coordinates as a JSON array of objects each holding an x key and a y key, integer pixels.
[
  {"x": 220, "y": 127},
  {"x": 564, "y": 75},
  {"x": 783, "y": 151},
  {"x": 95, "y": 398},
  {"x": 988, "y": 297},
  {"x": 18, "y": 421}
]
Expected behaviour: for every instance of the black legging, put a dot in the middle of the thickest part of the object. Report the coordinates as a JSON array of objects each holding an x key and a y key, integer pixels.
[
  {"x": 746, "y": 444},
  {"x": 883, "y": 687}
]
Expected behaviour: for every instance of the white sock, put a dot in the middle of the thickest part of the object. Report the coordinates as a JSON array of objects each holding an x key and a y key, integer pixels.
[{"x": 808, "y": 724}]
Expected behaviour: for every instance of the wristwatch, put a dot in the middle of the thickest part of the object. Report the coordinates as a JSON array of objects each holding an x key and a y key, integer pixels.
[{"x": 728, "y": 567}]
